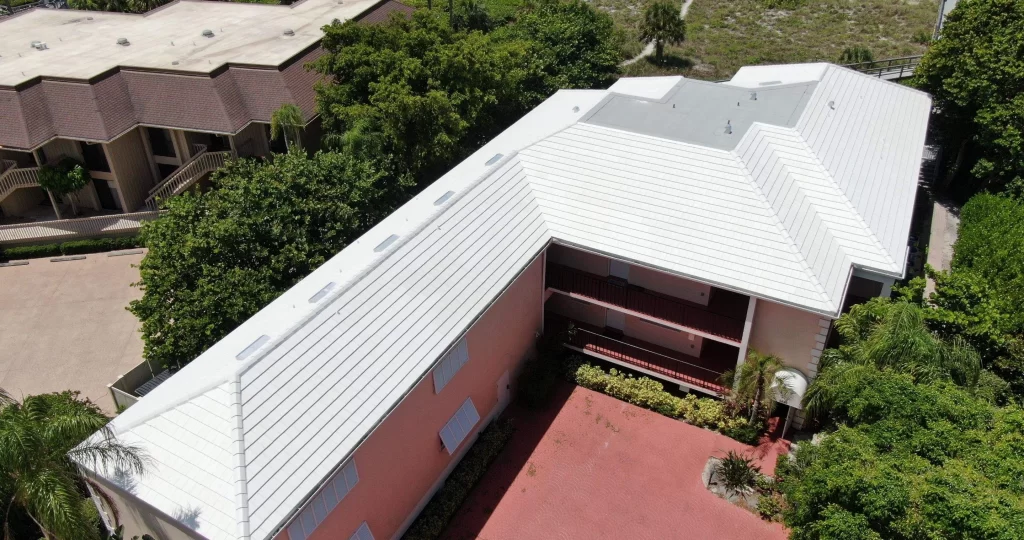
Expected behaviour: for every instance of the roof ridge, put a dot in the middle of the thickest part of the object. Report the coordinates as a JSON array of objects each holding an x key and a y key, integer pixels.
[{"x": 238, "y": 441}]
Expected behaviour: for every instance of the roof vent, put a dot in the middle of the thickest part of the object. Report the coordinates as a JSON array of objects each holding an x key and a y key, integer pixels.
[
  {"x": 444, "y": 198},
  {"x": 174, "y": 63},
  {"x": 289, "y": 32},
  {"x": 253, "y": 347},
  {"x": 728, "y": 127},
  {"x": 576, "y": 108},
  {"x": 753, "y": 96},
  {"x": 207, "y": 33},
  {"x": 123, "y": 42},
  {"x": 769, "y": 83},
  {"x": 384, "y": 245},
  {"x": 494, "y": 159},
  {"x": 832, "y": 105},
  {"x": 322, "y": 293},
  {"x": 39, "y": 45}
]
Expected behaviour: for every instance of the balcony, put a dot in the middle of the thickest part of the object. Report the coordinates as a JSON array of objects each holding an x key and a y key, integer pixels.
[
  {"x": 722, "y": 318},
  {"x": 702, "y": 373}
]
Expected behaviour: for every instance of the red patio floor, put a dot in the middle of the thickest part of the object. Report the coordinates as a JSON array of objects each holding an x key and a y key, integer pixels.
[{"x": 593, "y": 467}]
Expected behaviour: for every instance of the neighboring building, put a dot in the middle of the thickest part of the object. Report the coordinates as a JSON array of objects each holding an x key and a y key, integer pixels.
[
  {"x": 678, "y": 223},
  {"x": 151, "y": 104}
]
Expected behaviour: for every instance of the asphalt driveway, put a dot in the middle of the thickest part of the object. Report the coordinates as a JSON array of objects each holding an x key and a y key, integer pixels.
[
  {"x": 594, "y": 467},
  {"x": 63, "y": 325}
]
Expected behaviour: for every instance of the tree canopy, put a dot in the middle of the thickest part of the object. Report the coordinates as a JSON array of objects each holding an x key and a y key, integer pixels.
[
  {"x": 975, "y": 73},
  {"x": 216, "y": 258},
  {"x": 661, "y": 25}
]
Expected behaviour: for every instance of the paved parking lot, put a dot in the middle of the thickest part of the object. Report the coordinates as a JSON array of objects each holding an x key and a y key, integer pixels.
[
  {"x": 593, "y": 467},
  {"x": 63, "y": 325}
]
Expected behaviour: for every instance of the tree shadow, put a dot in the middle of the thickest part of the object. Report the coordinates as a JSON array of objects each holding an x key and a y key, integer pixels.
[{"x": 670, "y": 61}]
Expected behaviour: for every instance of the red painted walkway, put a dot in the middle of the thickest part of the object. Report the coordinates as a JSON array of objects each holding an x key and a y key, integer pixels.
[{"x": 594, "y": 467}]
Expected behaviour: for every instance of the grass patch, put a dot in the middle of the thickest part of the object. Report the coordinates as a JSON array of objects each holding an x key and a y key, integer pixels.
[{"x": 725, "y": 35}]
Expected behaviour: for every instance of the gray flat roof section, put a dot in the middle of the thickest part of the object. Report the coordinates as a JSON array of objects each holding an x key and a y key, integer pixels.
[
  {"x": 700, "y": 112},
  {"x": 83, "y": 44}
]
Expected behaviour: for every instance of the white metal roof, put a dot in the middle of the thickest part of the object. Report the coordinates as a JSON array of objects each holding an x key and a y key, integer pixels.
[{"x": 239, "y": 444}]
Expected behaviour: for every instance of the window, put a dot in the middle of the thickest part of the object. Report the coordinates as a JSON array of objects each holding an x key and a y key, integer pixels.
[
  {"x": 362, "y": 533},
  {"x": 458, "y": 428},
  {"x": 323, "y": 502},
  {"x": 160, "y": 142},
  {"x": 94, "y": 157},
  {"x": 450, "y": 365}
]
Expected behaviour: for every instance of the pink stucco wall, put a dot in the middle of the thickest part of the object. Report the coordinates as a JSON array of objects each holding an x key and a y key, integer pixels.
[
  {"x": 403, "y": 458},
  {"x": 666, "y": 337},
  {"x": 786, "y": 332}
]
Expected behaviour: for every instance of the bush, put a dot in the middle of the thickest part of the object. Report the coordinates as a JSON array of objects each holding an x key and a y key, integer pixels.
[
  {"x": 74, "y": 247},
  {"x": 650, "y": 394},
  {"x": 737, "y": 473},
  {"x": 769, "y": 507},
  {"x": 434, "y": 518}
]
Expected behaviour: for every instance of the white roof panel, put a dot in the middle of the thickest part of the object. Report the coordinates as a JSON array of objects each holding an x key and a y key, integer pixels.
[{"x": 782, "y": 212}]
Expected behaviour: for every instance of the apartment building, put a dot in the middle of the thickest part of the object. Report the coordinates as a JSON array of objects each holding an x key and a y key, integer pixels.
[
  {"x": 151, "y": 104},
  {"x": 675, "y": 223}
]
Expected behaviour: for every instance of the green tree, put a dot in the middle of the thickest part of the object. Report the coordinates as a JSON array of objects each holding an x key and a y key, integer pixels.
[
  {"x": 975, "y": 74},
  {"x": 287, "y": 123},
  {"x": 65, "y": 179},
  {"x": 42, "y": 439},
  {"x": 216, "y": 258},
  {"x": 891, "y": 335},
  {"x": 662, "y": 24},
  {"x": 755, "y": 385}
]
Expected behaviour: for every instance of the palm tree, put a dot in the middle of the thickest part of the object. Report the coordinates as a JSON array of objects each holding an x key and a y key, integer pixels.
[
  {"x": 286, "y": 122},
  {"x": 886, "y": 334},
  {"x": 43, "y": 439},
  {"x": 755, "y": 383},
  {"x": 662, "y": 25}
]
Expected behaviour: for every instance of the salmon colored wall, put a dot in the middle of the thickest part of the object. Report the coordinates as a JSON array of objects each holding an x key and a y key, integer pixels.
[
  {"x": 785, "y": 332},
  {"x": 404, "y": 457},
  {"x": 577, "y": 309},
  {"x": 580, "y": 260},
  {"x": 671, "y": 285},
  {"x": 666, "y": 337}
]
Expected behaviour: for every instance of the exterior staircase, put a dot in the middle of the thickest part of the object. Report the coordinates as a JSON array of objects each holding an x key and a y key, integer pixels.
[
  {"x": 13, "y": 177},
  {"x": 201, "y": 163}
]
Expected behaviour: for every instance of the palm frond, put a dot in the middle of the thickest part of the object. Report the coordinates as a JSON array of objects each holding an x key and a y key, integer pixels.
[{"x": 105, "y": 452}]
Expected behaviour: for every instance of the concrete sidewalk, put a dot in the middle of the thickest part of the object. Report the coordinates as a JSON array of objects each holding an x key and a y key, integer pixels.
[{"x": 63, "y": 325}]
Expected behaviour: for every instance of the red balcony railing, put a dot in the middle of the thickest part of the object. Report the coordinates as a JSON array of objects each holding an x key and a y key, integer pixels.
[
  {"x": 680, "y": 312},
  {"x": 650, "y": 357}
]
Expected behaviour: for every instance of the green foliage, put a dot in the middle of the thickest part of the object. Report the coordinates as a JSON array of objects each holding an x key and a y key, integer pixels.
[
  {"x": 537, "y": 380},
  {"x": 980, "y": 299},
  {"x": 218, "y": 257},
  {"x": 783, "y": 4},
  {"x": 768, "y": 506},
  {"x": 650, "y": 394},
  {"x": 287, "y": 123},
  {"x": 73, "y": 247},
  {"x": 856, "y": 55},
  {"x": 911, "y": 461},
  {"x": 662, "y": 24},
  {"x": 975, "y": 74},
  {"x": 737, "y": 473},
  {"x": 446, "y": 502},
  {"x": 66, "y": 177},
  {"x": 41, "y": 443},
  {"x": 922, "y": 37},
  {"x": 755, "y": 386}
]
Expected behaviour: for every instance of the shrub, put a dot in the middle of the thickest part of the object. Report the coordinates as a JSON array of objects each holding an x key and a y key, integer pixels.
[
  {"x": 737, "y": 473},
  {"x": 768, "y": 507},
  {"x": 856, "y": 55},
  {"x": 74, "y": 247},
  {"x": 446, "y": 502},
  {"x": 783, "y": 4}
]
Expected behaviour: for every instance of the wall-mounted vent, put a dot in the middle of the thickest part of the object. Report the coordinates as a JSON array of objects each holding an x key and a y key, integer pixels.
[
  {"x": 123, "y": 42},
  {"x": 444, "y": 198},
  {"x": 494, "y": 159},
  {"x": 253, "y": 347},
  {"x": 289, "y": 32},
  {"x": 207, "y": 33},
  {"x": 384, "y": 245},
  {"x": 322, "y": 293}
]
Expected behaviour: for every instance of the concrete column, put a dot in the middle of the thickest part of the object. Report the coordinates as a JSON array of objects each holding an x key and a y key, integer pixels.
[
  {"x": 748, "y": 324},
  {"x": 887, "y": 287}
]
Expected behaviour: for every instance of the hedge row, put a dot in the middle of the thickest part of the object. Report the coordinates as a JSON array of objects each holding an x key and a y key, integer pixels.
[
  {"x": 650, "y": 394},
  {"x": 442, "y": 507},
  {"x": 73, "y": 247}
]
